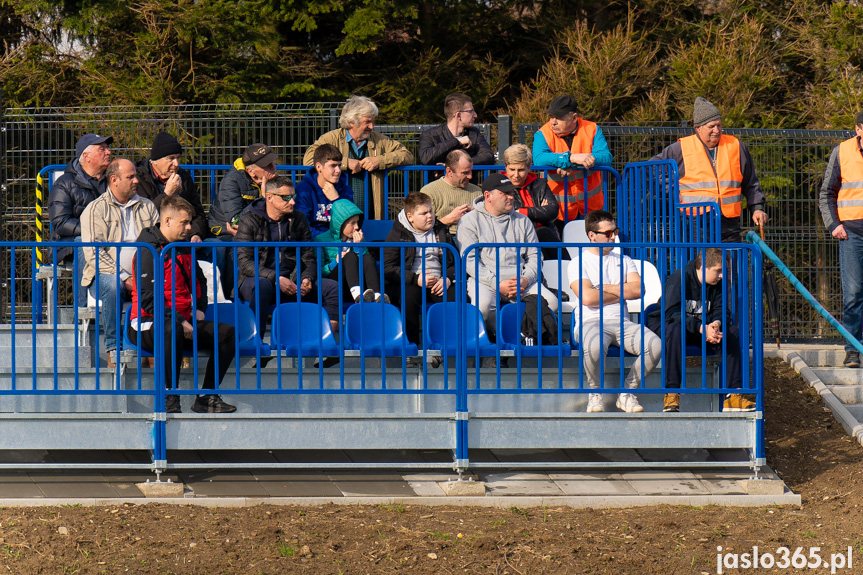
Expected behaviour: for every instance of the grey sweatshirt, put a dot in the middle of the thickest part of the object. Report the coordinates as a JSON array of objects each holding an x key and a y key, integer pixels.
[{"x": 479, "y": 226}]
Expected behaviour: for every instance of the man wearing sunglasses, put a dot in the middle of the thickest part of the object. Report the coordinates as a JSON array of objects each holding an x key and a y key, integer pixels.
[
  {"x": 458, "y": 133},
  {"x": 272, "y": 271},
  {"x": 603, "y": 279}
]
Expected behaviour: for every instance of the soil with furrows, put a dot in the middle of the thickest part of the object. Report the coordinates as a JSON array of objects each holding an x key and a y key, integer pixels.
[{"x": 805, "y": 446}]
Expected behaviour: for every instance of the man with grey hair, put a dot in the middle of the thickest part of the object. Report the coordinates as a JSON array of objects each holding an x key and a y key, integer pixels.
[
  {"x": 364, "y": 151},
  {"x": 716, "y": 167}
]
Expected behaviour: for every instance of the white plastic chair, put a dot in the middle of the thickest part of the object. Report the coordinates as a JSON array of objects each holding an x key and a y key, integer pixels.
[
  {"x": 652, "y": 287},
  {"x": 574, "y": 233},
  {"x": 550, "y": 275}
]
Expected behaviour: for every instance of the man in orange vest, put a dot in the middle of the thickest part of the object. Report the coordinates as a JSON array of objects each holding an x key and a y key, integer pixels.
[
  {"x": 841, "y": 204},
  {"x": 716, "y": 167},
  {"x": 571, "y": 144}
]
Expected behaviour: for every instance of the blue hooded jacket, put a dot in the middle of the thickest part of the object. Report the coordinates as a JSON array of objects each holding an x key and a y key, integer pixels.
[{"x": 312, "y": 202}]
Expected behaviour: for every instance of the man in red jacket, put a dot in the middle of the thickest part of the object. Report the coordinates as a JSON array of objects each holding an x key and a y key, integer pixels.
[{"x": 182, "y": 300}]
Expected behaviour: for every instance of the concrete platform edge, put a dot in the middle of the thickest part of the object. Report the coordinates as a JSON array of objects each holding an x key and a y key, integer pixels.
[
  {"x": 575, "y": 502},
  {"x": 840, "y": 412}
]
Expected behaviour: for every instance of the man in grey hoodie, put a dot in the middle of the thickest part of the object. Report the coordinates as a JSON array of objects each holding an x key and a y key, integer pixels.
[{"x": 499, "y": 273}]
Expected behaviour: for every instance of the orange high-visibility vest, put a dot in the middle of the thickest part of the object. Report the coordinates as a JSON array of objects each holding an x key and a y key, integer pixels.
[
  {"x": 701, "y": 183},
  {"x": 850, "y": 200},
  {"x": 572, "y": 200}
]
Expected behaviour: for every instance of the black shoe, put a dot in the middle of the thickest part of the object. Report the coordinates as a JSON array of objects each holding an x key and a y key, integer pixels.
[
  {"x": 328, "y": 361},
  {"x": 852, "y": 359},
  {"x": 212, "y": 404},
  {"x": 172, "y": 404}
]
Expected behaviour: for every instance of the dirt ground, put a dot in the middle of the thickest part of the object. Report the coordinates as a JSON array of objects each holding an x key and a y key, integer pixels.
[{"x": 806, "y": 447}]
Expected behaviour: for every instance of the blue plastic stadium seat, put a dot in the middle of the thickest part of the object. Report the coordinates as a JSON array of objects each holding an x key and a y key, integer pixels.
[
  {"x": 128, "y": 344},
  {"x": 376, "y": 230},
  {"x": 242, "y": 318},
  {"x": 376, "y": 328},
  {"x": 303, "y": 329},
  {"x": 441, "y": 330},
  {"x": 510, "y": 336}
]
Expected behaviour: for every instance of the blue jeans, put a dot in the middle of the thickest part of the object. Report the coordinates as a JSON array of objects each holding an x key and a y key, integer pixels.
[
  {"x": 109, "y": 308},
  {"x": 851, "y": 271}
]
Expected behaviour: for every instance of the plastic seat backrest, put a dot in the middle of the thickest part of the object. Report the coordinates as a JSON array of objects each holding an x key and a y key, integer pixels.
[
  {"x": 552, "y": 278},
  {"x": 243, "y": 322},
  {"x": 574, "y": 233},
  {"x": 652, "y": 287},
  {"x": 373, "y": 324},
  {"x": 302, "y": 323},
  {"x": 442, "y": 324},
  {"x": 376, "y": 230}
]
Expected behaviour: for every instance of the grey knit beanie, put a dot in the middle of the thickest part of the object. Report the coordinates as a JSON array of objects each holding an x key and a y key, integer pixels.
[{"x": 704, "y": 112}]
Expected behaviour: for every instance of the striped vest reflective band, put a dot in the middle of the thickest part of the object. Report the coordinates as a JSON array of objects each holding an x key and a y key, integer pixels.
[
  {"x": 850, "y": 201},
  {"x": 581, "y": 143},
  {"x": 700, "y": 183}
]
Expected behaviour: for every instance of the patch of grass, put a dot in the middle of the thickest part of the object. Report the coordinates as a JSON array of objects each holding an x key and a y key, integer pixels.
[
  {"x": 497, "y": 523},
  {"x": 809, "y": 534},
  {"x": 719, "y": 533},
  {"x": 518, "y": 510},
  {"x": 286, "y": 550},
  {"x": 398, "y": 507},
  {"x": 441, "y": 535}
]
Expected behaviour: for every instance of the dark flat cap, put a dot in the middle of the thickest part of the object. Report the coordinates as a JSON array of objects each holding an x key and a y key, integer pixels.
[{"x": 562, "y": 105}]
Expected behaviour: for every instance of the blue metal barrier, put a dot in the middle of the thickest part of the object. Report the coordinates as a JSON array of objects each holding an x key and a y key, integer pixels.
[{"x": 416, "y": 404}]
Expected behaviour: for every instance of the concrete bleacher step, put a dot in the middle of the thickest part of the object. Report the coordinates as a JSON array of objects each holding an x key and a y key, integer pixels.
[
  {"x": 820, "y": 356},
  {"x": 44, "y": 379},
  {"x": 54, "y": 345}
]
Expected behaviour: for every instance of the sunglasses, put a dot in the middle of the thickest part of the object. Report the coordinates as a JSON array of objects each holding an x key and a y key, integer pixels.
[
  {"x": 285, "y": 197},
  {"x": 608, "y": 233}
]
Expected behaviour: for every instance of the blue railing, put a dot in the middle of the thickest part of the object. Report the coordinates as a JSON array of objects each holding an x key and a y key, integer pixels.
[{"x": 461, "y": 386}]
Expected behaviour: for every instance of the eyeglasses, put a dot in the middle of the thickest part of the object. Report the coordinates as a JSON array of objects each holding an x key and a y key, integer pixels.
[
  {"x": 285, "y": 197},
  {"x": 472, "y": 112},
  {"x": 608, "y": 233}
]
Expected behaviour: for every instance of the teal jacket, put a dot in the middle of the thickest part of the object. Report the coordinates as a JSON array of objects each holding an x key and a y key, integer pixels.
[{"x": 342, "y": 210}]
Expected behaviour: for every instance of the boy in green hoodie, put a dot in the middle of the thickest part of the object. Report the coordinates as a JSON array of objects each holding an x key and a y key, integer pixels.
[{"x": 345, "y": 223}]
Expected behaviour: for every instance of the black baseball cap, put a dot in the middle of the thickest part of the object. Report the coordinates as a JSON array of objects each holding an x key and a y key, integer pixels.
[
  {"x": 860, "y": 118},
  {"x": 498, "y": 182},
  {"x": 562, "y": 105},
  {"x": 260, "y": 155},
  {"x": 88, "y": 140}
]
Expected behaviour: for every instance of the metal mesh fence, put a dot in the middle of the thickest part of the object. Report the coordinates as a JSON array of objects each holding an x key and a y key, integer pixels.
[{"x": 789, "y": 163}]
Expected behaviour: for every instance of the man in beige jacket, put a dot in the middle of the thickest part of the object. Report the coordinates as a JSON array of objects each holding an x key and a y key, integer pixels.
[
  {"x": 118, "y": 215},
  {"x": 363, "y": 151}
]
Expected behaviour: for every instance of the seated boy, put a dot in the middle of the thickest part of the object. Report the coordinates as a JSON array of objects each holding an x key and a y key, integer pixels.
[
  {"x": 345, "y": 225},
  {"x": 416, "y": 223},
  {"x": 710, "y": 310}
]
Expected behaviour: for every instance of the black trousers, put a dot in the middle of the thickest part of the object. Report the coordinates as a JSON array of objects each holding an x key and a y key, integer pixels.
[
  {"x": 350, "y": 269},
  {"x": 204, "y": 337},
  {"x": 413, "y": 306},
  {"x": 673, "y": 359}
]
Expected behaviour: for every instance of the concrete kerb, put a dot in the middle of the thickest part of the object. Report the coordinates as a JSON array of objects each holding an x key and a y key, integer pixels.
[
  {"x": 840, "y": 412},
  {"x": 575, "y": 502}
]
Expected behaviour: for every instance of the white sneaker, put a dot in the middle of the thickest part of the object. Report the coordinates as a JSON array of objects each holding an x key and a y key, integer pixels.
[
  {"x": 594, "y": 403},
  {"x": 628, "y": 403}
]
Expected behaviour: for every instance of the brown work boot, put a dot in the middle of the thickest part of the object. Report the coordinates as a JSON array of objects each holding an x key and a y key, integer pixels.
[{"x": 671, "y": 403}]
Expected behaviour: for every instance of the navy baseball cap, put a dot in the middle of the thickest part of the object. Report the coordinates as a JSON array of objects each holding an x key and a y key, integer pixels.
[{"x": 88, "y": 140}]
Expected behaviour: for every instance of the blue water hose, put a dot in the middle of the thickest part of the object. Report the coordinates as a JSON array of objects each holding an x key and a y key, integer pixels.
[{"x": 765, "y": 249}]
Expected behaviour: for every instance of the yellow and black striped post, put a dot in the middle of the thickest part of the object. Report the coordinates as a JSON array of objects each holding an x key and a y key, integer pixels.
[{"x": 39, "y": 203}]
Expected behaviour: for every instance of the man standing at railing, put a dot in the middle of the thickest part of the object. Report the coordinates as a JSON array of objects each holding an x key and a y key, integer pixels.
[
  {"x": 603, "y": 279},
  {"x": 160, "y": 176},
  {"x": 116, "y": 216},
  {"x": 453, "y": 195},
  {"x": 364, "y": 151},
  {"x": 182, "y": 299},
  {"x": 572, "y": 144},
  {"x": 841, "y": 203},
  {"x": 498, "y": 274},
  {"x": 716, "y": 167},
  {"x": 458, "y": 133},
  {"x": 82, "y": 182}
]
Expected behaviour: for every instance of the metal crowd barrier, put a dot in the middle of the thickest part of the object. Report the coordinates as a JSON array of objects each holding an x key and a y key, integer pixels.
[{"x": 378, "y": 398}]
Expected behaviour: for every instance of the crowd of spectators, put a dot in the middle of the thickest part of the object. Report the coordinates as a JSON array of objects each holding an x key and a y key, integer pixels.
[{"x": 100, "y": 199}]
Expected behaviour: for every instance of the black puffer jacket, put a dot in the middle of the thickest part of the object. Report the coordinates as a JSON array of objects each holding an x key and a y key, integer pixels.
[
  {"x": 236, "y": 192},
  {"x": 256, "y": 226},
  {"x": 70, "y": 194},
  {"x": 436, "y": 143},
  {"x": 393, "y": 263},
  {"x": 151, "y": 188}
]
